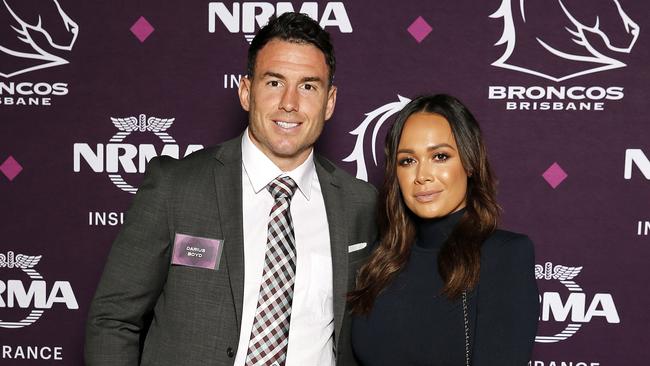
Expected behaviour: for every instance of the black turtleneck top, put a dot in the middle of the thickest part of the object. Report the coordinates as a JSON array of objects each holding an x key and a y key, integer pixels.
[{"x": 412, "y": 323}]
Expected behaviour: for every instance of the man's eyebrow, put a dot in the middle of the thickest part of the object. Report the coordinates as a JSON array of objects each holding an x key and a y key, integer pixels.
[
  {"x": 273, "y": 75},
  {"x": 306, "y": 79},
  {"x": 429, "y": 148}
]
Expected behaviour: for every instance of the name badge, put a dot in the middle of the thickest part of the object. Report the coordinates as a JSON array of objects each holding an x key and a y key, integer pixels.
[{"x": 195, "y": 251}]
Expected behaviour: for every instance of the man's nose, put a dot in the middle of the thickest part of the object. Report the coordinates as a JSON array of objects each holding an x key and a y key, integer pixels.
[{"x": 289, "y": 101}]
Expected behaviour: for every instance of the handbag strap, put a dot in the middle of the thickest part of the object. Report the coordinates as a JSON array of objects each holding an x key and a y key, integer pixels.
[{"x": 466, "y": 324}]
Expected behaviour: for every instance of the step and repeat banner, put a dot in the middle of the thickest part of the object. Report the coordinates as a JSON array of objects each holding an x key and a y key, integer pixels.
[{"x": 91, "y": 91}]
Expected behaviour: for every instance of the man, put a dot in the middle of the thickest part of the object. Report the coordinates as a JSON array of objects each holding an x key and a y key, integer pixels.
[{"x": 243, "y": 254}]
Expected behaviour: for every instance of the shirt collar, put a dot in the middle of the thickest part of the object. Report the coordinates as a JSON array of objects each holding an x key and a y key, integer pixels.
[{"x": 260, "y": 170}]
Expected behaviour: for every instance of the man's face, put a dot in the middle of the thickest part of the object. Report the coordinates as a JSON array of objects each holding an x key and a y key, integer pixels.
[{"x": 288, "y": 101}]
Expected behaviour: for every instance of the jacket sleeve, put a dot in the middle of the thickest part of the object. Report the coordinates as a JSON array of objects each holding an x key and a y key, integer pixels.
[
  {"x": 508, "y": 305},
  {"x": 133, "y": 277}
]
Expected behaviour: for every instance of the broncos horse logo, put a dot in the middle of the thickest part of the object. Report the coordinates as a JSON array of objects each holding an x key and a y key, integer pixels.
[
  {"x": 31, "y": 33},
  {"x": 558, "y": 40},
  {"x": 380, "y": 114}
]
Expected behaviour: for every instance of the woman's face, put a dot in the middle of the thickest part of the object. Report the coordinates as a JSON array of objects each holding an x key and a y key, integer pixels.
[{"x": 431, "y": 176}]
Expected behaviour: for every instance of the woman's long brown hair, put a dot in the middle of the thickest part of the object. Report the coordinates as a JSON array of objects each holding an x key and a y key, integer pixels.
[{"x": 459, "y": 259}]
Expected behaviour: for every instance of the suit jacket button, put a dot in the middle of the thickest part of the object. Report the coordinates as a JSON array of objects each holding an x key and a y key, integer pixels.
[{"x": 230, "y": 352}]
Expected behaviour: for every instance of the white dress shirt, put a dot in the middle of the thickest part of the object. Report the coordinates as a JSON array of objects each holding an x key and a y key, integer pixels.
[{"x": 312, "y": 314}]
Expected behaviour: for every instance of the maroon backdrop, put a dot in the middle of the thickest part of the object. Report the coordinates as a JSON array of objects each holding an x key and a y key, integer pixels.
[{"x": 561, "y": 89}]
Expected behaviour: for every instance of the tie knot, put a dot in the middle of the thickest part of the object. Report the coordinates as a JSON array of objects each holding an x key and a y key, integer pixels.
[{"x": 282, "y": 187}]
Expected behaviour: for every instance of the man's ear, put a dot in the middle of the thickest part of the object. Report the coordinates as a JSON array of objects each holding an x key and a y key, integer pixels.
[
  {"x": 245, "y": 93},
  {"x": 331, "y": 102}
]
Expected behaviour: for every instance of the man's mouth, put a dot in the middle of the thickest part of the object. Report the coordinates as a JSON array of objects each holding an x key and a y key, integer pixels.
[{"x": 286, "y": 125}]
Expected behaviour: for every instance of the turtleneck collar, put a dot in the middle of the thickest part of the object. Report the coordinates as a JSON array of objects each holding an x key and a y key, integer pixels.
[{"x": 432, "y": 233}]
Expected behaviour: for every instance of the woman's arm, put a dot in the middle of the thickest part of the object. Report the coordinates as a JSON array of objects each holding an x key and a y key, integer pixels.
[{"x": 508, "y": 303}]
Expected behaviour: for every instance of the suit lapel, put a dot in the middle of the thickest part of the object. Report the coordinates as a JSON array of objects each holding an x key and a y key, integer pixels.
[
  {"x": 336, "y": 221},
  {"x": 228, "y": 184}
]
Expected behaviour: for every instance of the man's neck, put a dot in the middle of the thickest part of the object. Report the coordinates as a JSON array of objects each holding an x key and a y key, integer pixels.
[
  {"x": 285, "y": 163},
  {"x": 289, "y": 164}
]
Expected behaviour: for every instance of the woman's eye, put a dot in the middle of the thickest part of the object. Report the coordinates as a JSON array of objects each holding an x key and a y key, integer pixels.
[
  {"x": 405, "y": 161},
  {"x": 440, "y": 157}
]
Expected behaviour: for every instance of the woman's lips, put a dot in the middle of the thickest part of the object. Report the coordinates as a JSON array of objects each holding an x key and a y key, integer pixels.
[{"x": 427, "y": 196}]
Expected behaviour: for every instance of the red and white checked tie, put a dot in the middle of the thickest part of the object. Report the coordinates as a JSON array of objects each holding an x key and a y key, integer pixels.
[{"x": 270, "y": 333}]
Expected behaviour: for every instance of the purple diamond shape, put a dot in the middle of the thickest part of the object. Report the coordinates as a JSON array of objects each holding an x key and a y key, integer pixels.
[
  {"x": 142, "y": 29},
  {"x": 419, "y": 29},
  {"x": 554, "y": 175},
  {"x": 10, "y": 168}
]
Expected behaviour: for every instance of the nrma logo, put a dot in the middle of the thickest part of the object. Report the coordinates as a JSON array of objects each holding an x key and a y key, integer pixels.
[
  {"x": 35, "y": 294},
  {"x": 638, "y": 158},
  {"x": 569, "y": 306},
  {"x": 247, "y": 17},
  {"x": 118, "y": 157}
]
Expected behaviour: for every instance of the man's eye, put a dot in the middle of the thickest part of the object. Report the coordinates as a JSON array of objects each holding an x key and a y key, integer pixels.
[
  {"x": 309, "y": 87},
  {"x": 273, "y": 83}
]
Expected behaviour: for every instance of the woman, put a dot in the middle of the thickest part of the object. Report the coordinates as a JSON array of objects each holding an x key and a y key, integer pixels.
[{"x": 443, "y": 286}]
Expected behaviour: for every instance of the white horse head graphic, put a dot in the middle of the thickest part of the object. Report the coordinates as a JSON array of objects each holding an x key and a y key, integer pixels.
[
  {"x": 29, "y": 31},
  {"x": 558, "y": 40},
  {"x": 377, "y": 118}
]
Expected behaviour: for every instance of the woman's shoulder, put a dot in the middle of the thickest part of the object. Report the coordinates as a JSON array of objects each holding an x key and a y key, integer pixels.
[
  {"x": 510, "y": 243},
  {"x": 506, "y": 254}
]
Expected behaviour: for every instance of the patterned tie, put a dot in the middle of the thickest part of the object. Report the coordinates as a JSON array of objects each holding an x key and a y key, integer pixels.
[{"x": 270, "y": 333}]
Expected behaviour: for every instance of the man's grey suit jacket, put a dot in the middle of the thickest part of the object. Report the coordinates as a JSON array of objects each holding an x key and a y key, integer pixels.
[{"x": 147, "y": 311}]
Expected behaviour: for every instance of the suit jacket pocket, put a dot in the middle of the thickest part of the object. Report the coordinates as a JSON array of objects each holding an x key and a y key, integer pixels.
[{"x": 359, "y": 255}]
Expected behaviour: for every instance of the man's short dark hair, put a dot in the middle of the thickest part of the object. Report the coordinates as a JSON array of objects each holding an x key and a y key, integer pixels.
[{"x": 297, "y": 28}]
